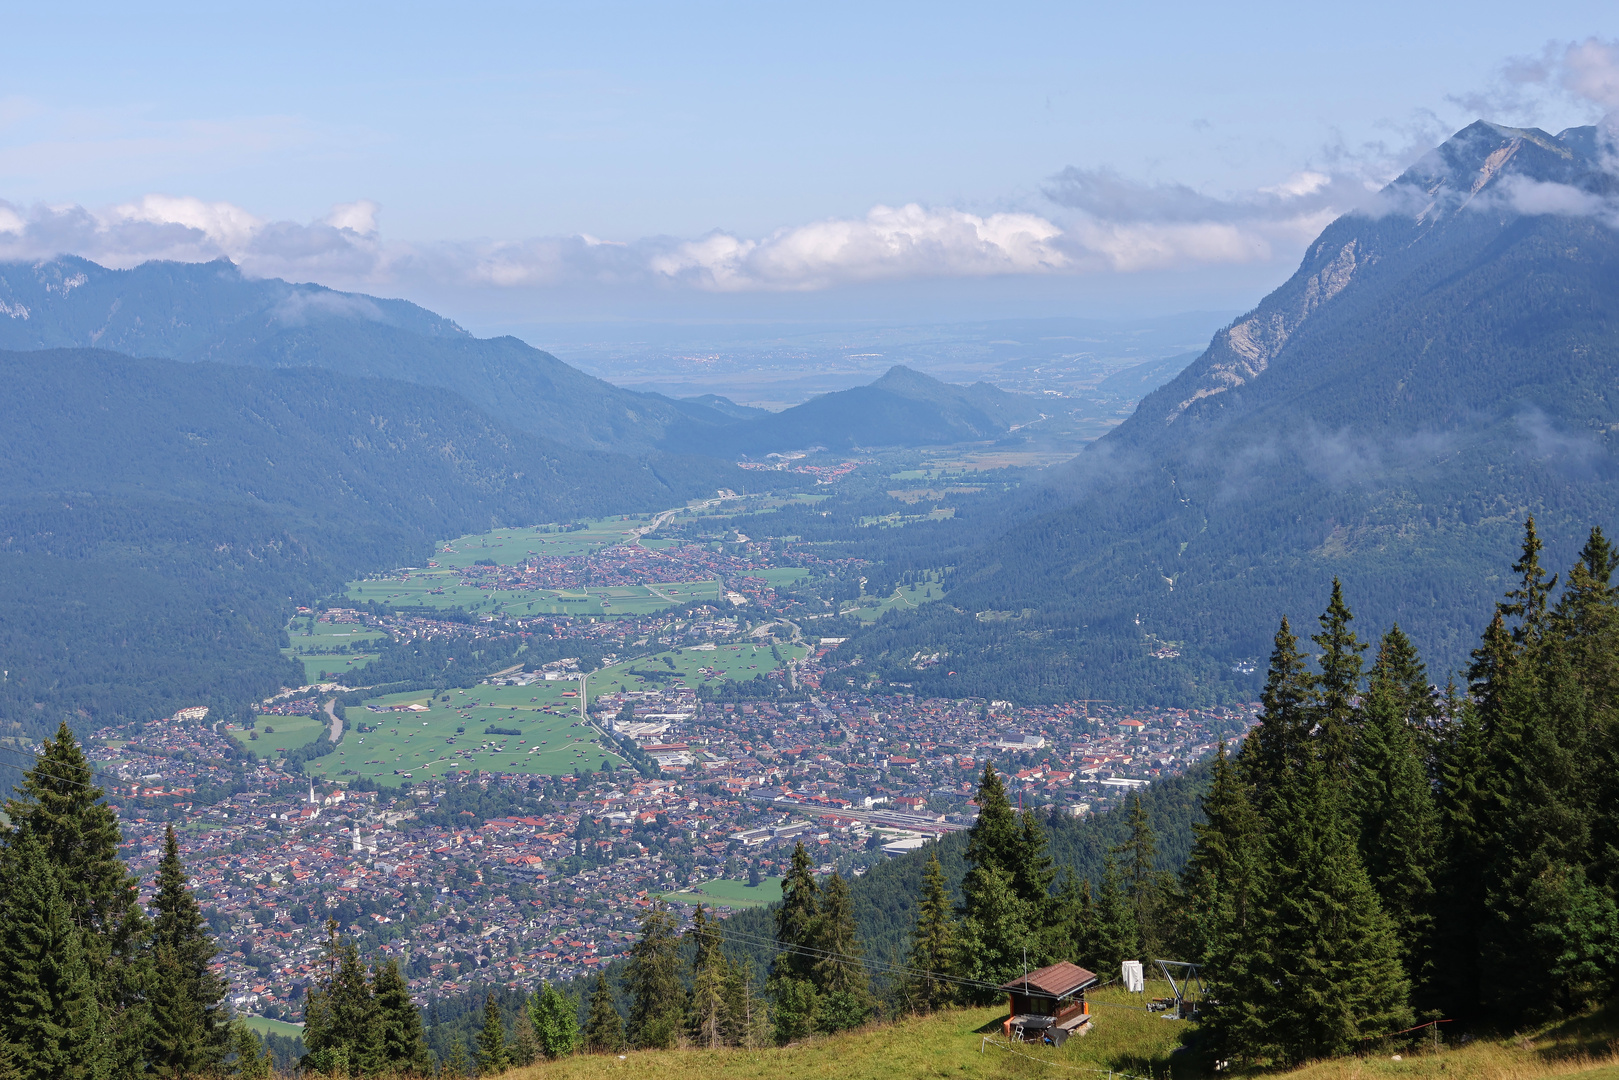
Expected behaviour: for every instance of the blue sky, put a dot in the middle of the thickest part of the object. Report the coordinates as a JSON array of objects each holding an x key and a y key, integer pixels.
[{"x": 526, "y": 163}]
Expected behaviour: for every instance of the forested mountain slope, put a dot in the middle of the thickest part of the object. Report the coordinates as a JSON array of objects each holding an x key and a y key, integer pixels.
[
  {"x": 156, "y": 518},
  {"x": 1437, "y": 369},
  {"x": 903, "y": 408},
  {"x": 210, "y": 311}
]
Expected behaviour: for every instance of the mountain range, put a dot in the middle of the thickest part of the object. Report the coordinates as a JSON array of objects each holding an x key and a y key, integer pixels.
[
  {"x": 212, "y": 312},
  {"x": 1441, "y": 366}
]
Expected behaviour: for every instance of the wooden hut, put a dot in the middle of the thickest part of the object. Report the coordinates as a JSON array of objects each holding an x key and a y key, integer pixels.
[{"x": 1048, "y": 1005}]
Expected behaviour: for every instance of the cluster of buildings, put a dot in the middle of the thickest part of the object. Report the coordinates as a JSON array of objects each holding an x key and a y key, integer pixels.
[
  {"x": 622, "y": 564},
  {"x": 553, "y": 881}
]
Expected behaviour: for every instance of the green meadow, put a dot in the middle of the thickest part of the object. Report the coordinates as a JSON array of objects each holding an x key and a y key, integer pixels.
[
  {"x": 450, "y": 736},
  {"x": 312, "y": 642},
  {"x": 736, "y": 894},
  {"x": 277, "y": 733},
  {"x": 265, "y": 1026},
  {"x": 694, "y": 667},
  {"x": 510, "y": 546}
]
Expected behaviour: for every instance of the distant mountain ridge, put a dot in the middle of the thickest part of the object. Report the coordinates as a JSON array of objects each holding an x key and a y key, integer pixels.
[
  {"x": 210, "y": 311},
  {"x": 902, "y": 408},
  {"x": 1438, "y": 368}
]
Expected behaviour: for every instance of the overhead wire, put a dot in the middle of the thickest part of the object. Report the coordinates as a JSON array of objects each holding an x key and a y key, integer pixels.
[{"x": 37, "y": 757}]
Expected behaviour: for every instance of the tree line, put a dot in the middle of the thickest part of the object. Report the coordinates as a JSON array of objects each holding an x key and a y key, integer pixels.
[
  {"x": 92, "y": 986},
  {"x": 1379, "y": 852}
]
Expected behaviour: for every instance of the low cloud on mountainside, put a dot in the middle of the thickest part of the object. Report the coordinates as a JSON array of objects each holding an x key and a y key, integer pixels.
[{"x": 1087, "y": 219}]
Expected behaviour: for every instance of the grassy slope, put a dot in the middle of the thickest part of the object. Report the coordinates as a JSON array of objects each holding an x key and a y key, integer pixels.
[
  {"x": 1128, "y": 1041},
  {"x": 266, "y": 1026}
]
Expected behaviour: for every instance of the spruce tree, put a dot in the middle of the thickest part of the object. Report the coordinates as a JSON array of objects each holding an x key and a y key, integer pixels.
[
  {"x": 1528, "y": 602},
  {"x": 252, "y": 1058},
  {"x": 657, "y": 998},
  {"x": 1071, "y": 927},
  {"x": 456, "y": 1064},
  {"x": 998, "y": 917},
  {"x": 1548, "y": 919},
  {"x": 492, "y": 1059},
  {"x": 1117, "y": 937},
  {"x": 404, "y": 1043},
  {"x": 525, "y": 1048},
  {"x": 1141, "y": 880},
  {"x": 49, "y": 1013},
  {"x": 747, "y": 1012},
  {"x": 839, "y": 971},
  {"x": 1339, "y": 682},
  {"x": 792, "y": 986},
  {"x": 993, "y": 839},
  {"x": 59, "y": 805},
  {"x": 1586, "y": 622},
  {"x": 709, "y": 1013},
  {"x": 1586, "y": 617},
  {"x": 189, "y": 1033},
  {"x": 1456, "y": 977},
  {"x": 797, "y": 918},
  {"x": 995, "y": 934},
  {"x": 1326, "y": 968},
  {"x": 1281, "y": 742},
  {"x": 1392, "y": 798},
  {"x": 343, "y": 1029},
  {"x": 1222, "y": 877},
  {"x": 933, "y": 942},
  {"x": 604, "y": 1028},
  {"x": 356, "y": 1022},
  {"x": 1032, "y": 869}
]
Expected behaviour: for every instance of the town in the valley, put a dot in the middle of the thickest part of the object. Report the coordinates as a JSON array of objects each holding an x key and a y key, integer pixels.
[{"x": 688, "y": 729}]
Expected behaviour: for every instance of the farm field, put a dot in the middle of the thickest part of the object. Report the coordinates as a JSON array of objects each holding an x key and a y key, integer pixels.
[
  {"x": 290, "y": 732},
  {"x": 736, "y": 894},
  {"x": 450, "y": 736},
  {"x": 441, "y": 588},
  {"x": 693, "y": 667},
  {"x": 509, "y": 546},
  {"x": 306, "y": 646}
]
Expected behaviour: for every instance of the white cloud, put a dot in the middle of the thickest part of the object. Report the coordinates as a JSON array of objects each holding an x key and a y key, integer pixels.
[
  {"x": 226, "y": 225},
  {"x": 1526, "y": 88},
  {"x": 1589, "y": 70},
  {"x": 359, "y": 217},
  {"x": 1526, "y": 196},
  {"x": 889, "y": 242}
]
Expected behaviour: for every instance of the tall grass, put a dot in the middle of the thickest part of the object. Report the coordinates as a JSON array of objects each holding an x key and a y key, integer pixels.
[{"x": 1125, "y": 1039}]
